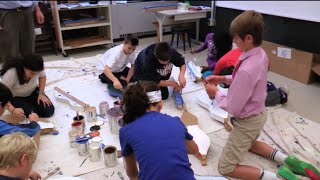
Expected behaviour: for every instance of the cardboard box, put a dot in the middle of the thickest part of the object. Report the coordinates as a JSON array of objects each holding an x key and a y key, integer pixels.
[{"x": 295, "y": 64}]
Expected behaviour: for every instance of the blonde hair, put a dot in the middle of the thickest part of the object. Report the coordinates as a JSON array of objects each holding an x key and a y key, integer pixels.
[
  {"x": 248, "y": 23},
  {"x": 13, "y": 146}
]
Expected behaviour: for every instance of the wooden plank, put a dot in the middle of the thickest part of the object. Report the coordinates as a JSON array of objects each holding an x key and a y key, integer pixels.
[
  {"x": 156, "y": 9},
  {"x": 67, "y": 95},
  {"x": 81, "y": 23},
  {"x": 85, "y": 40}
]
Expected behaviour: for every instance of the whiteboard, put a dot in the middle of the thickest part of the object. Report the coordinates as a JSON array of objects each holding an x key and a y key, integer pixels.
[{"x": 302, "y": 10}]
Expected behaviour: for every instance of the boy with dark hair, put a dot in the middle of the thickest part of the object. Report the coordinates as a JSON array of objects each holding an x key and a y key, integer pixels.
[
  {"x": 30, "y": 129},
  {"x": 246, "y": 102},
  {"x": 113, "y": 63},
  {"x": 155, "y": 63}
]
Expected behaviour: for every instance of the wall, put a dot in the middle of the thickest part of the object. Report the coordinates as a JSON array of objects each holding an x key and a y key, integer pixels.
[{"x": 299, "y": 34}]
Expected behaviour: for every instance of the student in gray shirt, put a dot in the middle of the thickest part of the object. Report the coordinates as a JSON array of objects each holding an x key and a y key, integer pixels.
[{"x": 26, "y": 78}]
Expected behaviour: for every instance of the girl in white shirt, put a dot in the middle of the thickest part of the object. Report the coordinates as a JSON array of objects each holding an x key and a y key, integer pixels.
[{"x": 26, "y": 78}]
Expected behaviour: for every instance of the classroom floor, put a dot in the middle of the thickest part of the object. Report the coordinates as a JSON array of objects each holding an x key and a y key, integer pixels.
[{"x": 304, "y": 99}]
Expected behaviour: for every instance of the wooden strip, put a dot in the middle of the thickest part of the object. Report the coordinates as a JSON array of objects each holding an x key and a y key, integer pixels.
[
  {"x": 70, "y": 97},
  {"x": 80, "y": 23},
  {"x": 160, "y": 9}
]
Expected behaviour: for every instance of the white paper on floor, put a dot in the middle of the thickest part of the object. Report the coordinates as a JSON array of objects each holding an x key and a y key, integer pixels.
[{"x": 81, "y": 80}]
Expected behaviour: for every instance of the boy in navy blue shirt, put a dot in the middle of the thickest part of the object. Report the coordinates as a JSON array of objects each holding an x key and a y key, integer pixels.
[{"x": 155, "y": 64}]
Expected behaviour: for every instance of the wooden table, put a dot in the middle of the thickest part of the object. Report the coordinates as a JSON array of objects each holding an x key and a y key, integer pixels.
[{"x": 179, "y": 15}]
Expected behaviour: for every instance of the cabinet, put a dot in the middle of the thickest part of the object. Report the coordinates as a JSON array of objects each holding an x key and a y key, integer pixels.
[
  {"x": 46, "y": 40},
  {"x": 82, "y": 25}
]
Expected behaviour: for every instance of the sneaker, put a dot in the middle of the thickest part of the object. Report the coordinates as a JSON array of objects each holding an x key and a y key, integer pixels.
[
  {"x": 299, "y": 167},
  {"x": 285, "y": 174},
  {"x": 284, "y": 94},
  {"x": 285, "y": 89}
]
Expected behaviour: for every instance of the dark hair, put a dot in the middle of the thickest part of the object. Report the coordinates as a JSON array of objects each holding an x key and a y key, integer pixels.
[
  {"x": 162, "y": 51},
  {"x": 5, "y": 95},
  {"x": 135, "y": 100},
  {"x": 223, "y": 41},
  {"x": 132, "y": 39},
  {"x": 33, "y": 62},
  {"x": 248, "y": 23},
  {"x": 226, "y": 71}
]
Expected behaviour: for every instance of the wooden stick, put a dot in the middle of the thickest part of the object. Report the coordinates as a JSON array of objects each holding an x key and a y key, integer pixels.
[
  {"x": 51, "y": 173},
  {"x": 71, "y": 97},
  {"x": 82, "y": 173}
]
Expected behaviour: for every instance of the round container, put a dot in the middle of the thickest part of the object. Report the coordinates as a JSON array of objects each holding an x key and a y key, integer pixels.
[
  {"x": 117, "y": 104},
  {"x": 103, "y": 108},
  {"x": 81, "y": 119},
  {"x": 77, "y": 125},
  {"x": 99, "y": 123},
  {"x": 110, "y": 156},
  {"x": 82, "y": 147},
  {"x": 115, "y": 114},
  {"x": 91, "y": 113},
  {"x": 95, "y": 128},
  {"x": 72, "y": 137},
  {"x": 95, "y": 152}
]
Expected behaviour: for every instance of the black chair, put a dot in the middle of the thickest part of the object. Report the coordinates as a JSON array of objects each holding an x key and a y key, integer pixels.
[{"x": 181, "y": 30}]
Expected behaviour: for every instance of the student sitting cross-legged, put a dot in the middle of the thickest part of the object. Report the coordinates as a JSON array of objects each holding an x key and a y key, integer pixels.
[
  {"x": 113, "y": 63},
  {"x": 25, "y": 77},
  {"x": 158, "y": 142}
]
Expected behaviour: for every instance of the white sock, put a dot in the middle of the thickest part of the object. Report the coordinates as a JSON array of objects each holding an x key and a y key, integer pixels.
[
  {"x": 278, "y": 156},
  {"x": 267, "y": 175}
]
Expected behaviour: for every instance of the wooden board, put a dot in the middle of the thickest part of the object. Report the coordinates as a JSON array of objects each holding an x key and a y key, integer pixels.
[
  {"x": 156, "y": 9},
  {"x": 81, "y": 23},
  {"x": 85, "y": 40}
]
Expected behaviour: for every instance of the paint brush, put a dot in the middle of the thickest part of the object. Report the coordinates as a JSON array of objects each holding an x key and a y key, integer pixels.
[
  {"x": 52, "y": 173},
  {"x": 83, "y": 161},
  {"x": 78, "y": 116},
  {"x": 206, "y": 81}
]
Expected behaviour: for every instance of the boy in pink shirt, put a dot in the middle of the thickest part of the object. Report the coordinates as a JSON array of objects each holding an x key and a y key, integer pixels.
[{"x": 246, "y": 102}]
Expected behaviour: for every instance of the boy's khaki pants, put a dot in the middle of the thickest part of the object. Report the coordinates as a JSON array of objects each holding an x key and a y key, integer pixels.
[{"x": 244, "y": 134}]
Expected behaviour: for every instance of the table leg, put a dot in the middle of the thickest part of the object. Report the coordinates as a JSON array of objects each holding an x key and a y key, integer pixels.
[
  {"x": 197, "y": 29},
  {"x": 160, "y": 19}
]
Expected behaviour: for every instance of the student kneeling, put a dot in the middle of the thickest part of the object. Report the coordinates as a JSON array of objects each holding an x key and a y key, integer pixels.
[
  {"x": 155, "y": 63},
  {"x": 114, "y": 63},
  {"x": 158, "y": 142}
]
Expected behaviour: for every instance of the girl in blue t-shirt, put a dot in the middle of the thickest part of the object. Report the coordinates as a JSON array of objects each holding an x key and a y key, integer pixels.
[{"x": 158, "y": 142}]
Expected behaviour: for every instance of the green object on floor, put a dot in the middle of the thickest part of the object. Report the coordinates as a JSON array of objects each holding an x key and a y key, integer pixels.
[
  {"x": 115, "y": 92},
  {"x": 285, "y": 173},
  {"x": 299, "y": 167}
]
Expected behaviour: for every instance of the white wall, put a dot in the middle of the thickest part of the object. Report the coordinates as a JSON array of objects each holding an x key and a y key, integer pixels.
[{"x": 302, "y": 10}]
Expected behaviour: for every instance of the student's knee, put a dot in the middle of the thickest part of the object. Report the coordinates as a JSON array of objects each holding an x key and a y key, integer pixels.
[
  {"x": 47, "y": 111},
  {"x": 50, "y": 111},
  {"x": 164, "y": 93},
  {"x": 225, "y": 169},
  {"x": 164, "y": 96}
]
